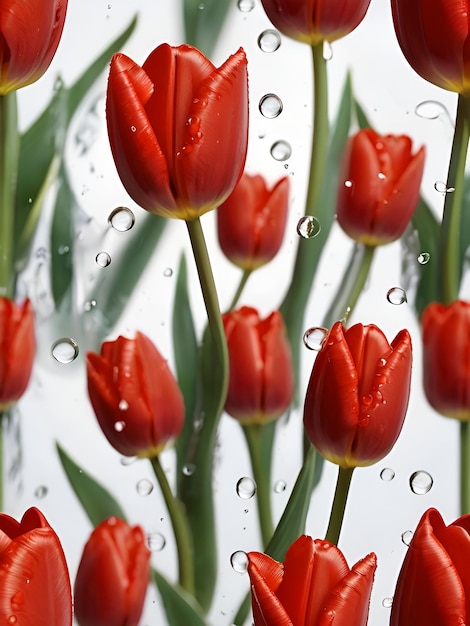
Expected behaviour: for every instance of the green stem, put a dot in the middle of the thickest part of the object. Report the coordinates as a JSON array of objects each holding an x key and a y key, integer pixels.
[
  {"x": 9, "y": 154},
  {"x": 180, "y": 529},
  {"x": 450, "y": 249},
  {"x": 464, "y": 468},
  {"x": 244, "y": 279},
  {"x": 262, "y": 476},
  {"x": 339, "y": 504}
]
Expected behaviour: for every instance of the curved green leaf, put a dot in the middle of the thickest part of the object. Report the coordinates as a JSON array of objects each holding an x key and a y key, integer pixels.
[
  {"x": 180, "y": 608},
  {"x": 203, "y": 21}
]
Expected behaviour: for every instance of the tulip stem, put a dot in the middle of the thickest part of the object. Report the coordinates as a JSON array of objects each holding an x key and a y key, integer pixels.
[
  {"x": 464, "y": 468},
  {"x": 339, "y": 504},
  {"x": 180, "y": 529},
  {"x": 450, "y": 245},
  {"x": 244, "y": 279},
  {"x": 262, "y": 476}
]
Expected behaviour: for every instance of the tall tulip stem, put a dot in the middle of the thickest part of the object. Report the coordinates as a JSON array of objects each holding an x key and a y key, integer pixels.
[
  {"x": 464, "y": 468},
  {"x": 241, "y": 286},
  {"x": 180, "y": 529},
  {"x": 339, "y": 504}
]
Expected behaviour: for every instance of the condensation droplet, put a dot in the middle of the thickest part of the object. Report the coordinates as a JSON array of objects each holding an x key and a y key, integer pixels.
[
  {"x": 441, "y": 187},
  {"x": 119, "y": 426},
  {"x": 121, "y": 219},
  {"x": 12, "y": 619},
  {"x": 41, "y": 491},
  {"x": 269, "y": 40},
  {"x": 189, "y": 469},
  {"x": 421, "y": 482},
  {"x": 168, "y": 272},
  {"x": 348, "y": 183},
  {"x": 327, "y": 51},
  {"x": 423, "y": 258},
  {"x": 280, "y": 486},
  {"x": 406, "y": 537},
  {"x": 144, "y": 487},
  {"x": 128, "y": 460},
  {"x": 89, "y": 305},
  {"x": 156, "y": 542},
  {"x": 246, "y": 488},
  {"x": 270, "y": 106},
  {"x": 245, "y": 6},
  {"x": 314, "y": 338},
  {"x": 396, "y": 295},
  {"x": 308, "y": 227},
  {"x": 123, "y": 405},
  {"x": 65, "y": 350},
  {"x": 133, "y": 129},
  {"x": 63, "y": 250},
  {"x": 239, "y": 561},
  {"x": 103, "y": 259},
  {"x": 281, "y": 150},
  {"x": 387, "y": 474},
  {"x": 430, "y": 109},
  {"x": 387, "y": 603}
]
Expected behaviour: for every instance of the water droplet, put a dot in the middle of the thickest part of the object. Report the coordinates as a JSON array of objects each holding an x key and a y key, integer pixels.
[
  {"x": 280, "y": 486},
  {"x": 133, "y": 129},
  {"x": 65, "y": 350},
  {"x": 156, "y": 542},
  {"x": 144, "y": 487},
  {"x": 121, "y": 219},
  {"x": 189, "y": 469},
  {"x": 327, "y": 51},
  {"x": 396, "y": 295},
  {"x": 123, "y": 405},
  {"x": 406, "y": 537},
  {"x": 308, "y": 227},
  {"x": 430, "y": 109},
  {"x": 421, "y": 482},
  {"x": 246, "y": 5},
  {"x": 281, "y": 150},
  {"x": 387, "y": 602},
  {"x": 423, "y": 258},
  {"x": 89, "y": 305},
  {"x": 41, "y": 491},
  {"x": 441, "y": 187},
  {"x": 63, "y": 250},
  {"x": 128, "y": 460},
  {"x": 270, "y": 106},
  {"x": 41, "y": 253},
  {"x": 348, "y": 183},
  {"x": 387, "y": 474},
  {"x": 103, "y": 259},
  {"x": 119, "y": 426},
  {"x": 269, "y": 40},
  {"x": 12, "y": 619},
  {"x": 168, "y": 272},
  {"x": 314, "y": 338},
  {"x": 246, "y": 488},
  {"x": 239, "y": 561}
]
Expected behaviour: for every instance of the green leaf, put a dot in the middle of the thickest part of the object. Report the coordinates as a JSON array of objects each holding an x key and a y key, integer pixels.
[
  {"x": 180, "y": 608},
  {"x": 465, "y": 227},
  {"x": 97, "y": 502},
  {"x": 203, "y": 25},
  {"x": 61, "y": 241}
]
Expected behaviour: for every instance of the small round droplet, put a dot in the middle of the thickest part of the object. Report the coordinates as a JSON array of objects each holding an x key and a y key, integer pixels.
[
  {"x": 270, "y": 106},
  {"x": 239, "y": 561},
  {"x": 63, "y": 250},
  {"x": 421, "y": 482},
  {"x": 156, "y": 542},
  {"x": 119, "y": 426},
  {"x": 387, "y": 474},
  {"x": 89, "y": 305},
  {"x": 308, "y": 227},
  {"x": 406, "y": 537},
  {"x": 41, "y": 491},
  {"x": 65, "y": 350},
  {"x": 314, "y": 338},
  {"x": 441, "y": 187},
  {"x": 103, "y": 259},
  {"x": 144, "y": 487},
  {"x": 246, "y": 488},
  {"x": 430, "y": 109},
  {"x": 168, "y": 272},
  {"x": 133, "y": 129},
  {"x": 281, "y": 150},
  {"x": 269, "y": 40},
  {"x": 245, "y": 6},
  {"x": 280, "y": 486},
  {"x": 387, "y": 603},
  {"x": 396, "y": 295},
  {"x": 423, "y": 258},
  {"x": 12, "y": 619},
  {"x": 189, "y": 469},
  {"x": 123, "y": 405},
  {"x": 121, "y": 219}
]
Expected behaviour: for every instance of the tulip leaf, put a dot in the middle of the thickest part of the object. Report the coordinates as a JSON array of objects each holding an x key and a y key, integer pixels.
[
  {"x": 97, "y": 502},
  {"x": 180, "y": 608},
  {"x": 465, "y": 227},
  {"x": 203, "y": 21}
]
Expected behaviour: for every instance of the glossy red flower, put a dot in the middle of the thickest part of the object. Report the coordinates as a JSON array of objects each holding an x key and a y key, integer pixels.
[
  {"x": 433, "y": 587},
  {"x": 113, "y": 576},
  {"x": 433, "y": 36},
  {"x": 379, "y": 186},
  {"x": 29, "y": 35},
  {"x": 261, "y": 374},
  {"x": 312, "y": 21},
  {"x": 135, "y": 397},
  {"x": 446, "y": 358},
  {"x": 17, "y": 348},
  {"x": 313, "y": 587},
  {"x": 34, "y": 579},
  {"x": 358, "y": 394},
  {"x": 178, "y": 128},
  {"x": 252, "y": 221}
]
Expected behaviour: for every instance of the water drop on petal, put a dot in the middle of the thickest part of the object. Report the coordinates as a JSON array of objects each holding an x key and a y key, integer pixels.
[
  {"x": 246, "y": 488},
  {"x": 239, "y": 561},
  {"x": 119, "y": 426},
  {"x": 314, "y": 338}
]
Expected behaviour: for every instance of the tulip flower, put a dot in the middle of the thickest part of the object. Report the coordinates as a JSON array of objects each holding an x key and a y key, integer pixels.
[
  {"x": 358, "y": 394},
  {"x": 433, "y": 36},
  {"x": 17, "y": 348},
  {"x": 379, "y": 186},
  {"x": 313, "y": 587},
  {"x": 136, "y": 399},
  {"x": 252, "y": 221},
  {"x": 34, "y": 579},
  {"x": 30, "y": 33},
  {"x": 113, "y": 576},
  {"x": 433, "y": 587},
  {"x": 446, "y": 365},
  {"x": 313, "y": 21},
  {"x": 178, "y": 128},
  {"x": 261, "y": 375}
]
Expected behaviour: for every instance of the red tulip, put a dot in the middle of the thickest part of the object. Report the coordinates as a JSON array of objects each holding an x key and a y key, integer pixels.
[
  {"x": 433, "y": 587},
  {"x": 313, "y": 587},
  {"x": 446, "y": 358},
  {"x": 17, "y": 348},
  {"x": 113, "y": 576},
  {"x": 261, "y": 375},
  {"x": 178, "y": 128},
  {"x": 135, "y": 397},
  {"x": 252, "y": 221},
  {"x": 379, "y": 186},
  {"x": 312, "y": 21},
  {"x": 433, "y": 36},
  {"x": 34, "y": 579},
  {"x": 29, "y": 35},
  {"x": 358, "y": 394}
]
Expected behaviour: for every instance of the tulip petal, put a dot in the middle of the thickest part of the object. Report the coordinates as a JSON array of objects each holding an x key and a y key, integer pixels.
[{"x": 265, "y": 576}]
